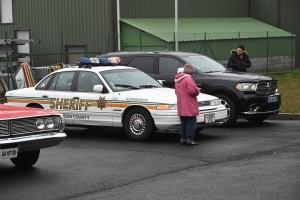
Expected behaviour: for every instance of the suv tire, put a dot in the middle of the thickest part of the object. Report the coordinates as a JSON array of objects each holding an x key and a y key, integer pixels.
[{"x": 231, "y": 111}]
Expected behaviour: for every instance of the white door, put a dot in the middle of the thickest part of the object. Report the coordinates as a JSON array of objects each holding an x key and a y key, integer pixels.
[
  {"x": 93, "y": 108},
  {"x": 23, "y": 35}
]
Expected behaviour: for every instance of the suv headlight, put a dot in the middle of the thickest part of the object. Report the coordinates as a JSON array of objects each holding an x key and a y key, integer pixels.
[
  {"x": 247, "y": 87},
  {"x": 167, "y": 107}
]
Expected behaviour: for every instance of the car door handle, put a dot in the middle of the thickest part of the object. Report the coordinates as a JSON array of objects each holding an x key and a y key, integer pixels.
[
  {"x": 45, "y": 96},
  {"x": 75, "y": 97}
]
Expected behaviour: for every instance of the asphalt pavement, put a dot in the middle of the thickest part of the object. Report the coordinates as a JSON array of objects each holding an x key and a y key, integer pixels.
[{"x": 246, "y": 161}]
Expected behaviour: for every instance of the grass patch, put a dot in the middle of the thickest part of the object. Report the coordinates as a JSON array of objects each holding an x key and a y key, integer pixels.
[
  {"x": 289, "y": 88},
  {"x": 1, "y": 100}
]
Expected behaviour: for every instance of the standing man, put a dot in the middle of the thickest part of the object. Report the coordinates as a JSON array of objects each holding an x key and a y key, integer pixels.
[
  {"x": 187, "y": 104},
  {"x": 239, "y": 60}
]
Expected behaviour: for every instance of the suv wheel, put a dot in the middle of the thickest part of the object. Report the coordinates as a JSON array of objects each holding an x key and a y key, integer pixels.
[
  {"x": 26, "y": 159},
  {"x": 256, "y": 119},
  {"x": 138, "y": 124},
  {"x": 231, "y": 111}
]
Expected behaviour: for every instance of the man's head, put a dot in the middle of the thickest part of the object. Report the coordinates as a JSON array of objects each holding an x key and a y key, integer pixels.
[
  {"x": 240, "y": 49},
  {"x": 189, "y": 69}
]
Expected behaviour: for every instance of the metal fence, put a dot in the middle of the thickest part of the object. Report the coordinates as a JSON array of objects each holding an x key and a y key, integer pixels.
[{"x": 268, "y": 51}]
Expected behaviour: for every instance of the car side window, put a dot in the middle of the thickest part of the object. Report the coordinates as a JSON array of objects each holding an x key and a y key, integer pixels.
[
  {"x": 143, "y": 63},
  {"x": 168, "y": 65},
  {"x": 62, "y": 82},
  {"x": 44, "y": 83},
  {"x": 87, "y": 80}
]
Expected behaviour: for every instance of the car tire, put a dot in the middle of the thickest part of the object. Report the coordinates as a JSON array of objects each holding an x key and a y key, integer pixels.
[
  {"x": 138, "y": 125},
  {"x": 256, "y": 119},
  {"x": 26, "y": 159},
  {"x": 231, "y": 111}
]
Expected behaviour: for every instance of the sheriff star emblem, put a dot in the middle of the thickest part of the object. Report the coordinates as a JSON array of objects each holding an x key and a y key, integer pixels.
[{"x": 101, "y": 103}]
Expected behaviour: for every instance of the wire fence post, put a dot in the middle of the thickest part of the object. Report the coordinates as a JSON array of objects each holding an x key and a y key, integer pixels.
[
  {"x": 292, "y": 52},
  {"x": 141, "y": 41},
  {"x": 205, "y": 43},
  {"x": 7, "y": 68},
  {"x": 61, "y": 48},
  {"x": 267, "y": 52}
]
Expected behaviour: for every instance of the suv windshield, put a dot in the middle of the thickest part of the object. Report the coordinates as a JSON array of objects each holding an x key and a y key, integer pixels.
[
  {"x": 204, "y": 64},
  {"x": 129, "y": 79}
]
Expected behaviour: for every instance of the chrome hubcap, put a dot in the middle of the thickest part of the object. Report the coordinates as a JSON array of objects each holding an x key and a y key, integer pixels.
[{"x": 137, "y": 124}]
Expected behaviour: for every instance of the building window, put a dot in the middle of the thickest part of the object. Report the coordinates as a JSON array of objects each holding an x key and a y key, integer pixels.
[{"x": 6, "y": 11}]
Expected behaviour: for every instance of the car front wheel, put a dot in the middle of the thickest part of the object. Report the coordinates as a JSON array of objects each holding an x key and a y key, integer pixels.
[
  {"x": 138, "y": 124},
  {"x": 26, "y": 159}
]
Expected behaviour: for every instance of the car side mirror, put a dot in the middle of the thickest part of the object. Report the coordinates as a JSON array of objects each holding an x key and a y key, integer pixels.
[
  {"x": 98, "y": 88},
  {"x": 180, "y": 70}
]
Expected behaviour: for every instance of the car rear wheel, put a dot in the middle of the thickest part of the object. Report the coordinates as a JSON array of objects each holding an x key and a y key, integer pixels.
[
  {"x": 138, "y": 124},
  {"x": 231, "y": 111},
  {"x": 26, "y": 159},
  {"x": 256, "y": 119}
]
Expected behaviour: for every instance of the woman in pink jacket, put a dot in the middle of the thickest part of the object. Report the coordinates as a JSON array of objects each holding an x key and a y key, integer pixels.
[{"x": 187, "y": 104}]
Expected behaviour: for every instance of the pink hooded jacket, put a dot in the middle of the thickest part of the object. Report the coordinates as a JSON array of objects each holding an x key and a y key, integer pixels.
[{"x": 187, "y": 92}]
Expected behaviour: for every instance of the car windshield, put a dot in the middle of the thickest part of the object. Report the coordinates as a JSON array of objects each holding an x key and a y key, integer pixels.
[
  {"x": 204, "y": 64},
  {"x": 129, "y": 79}
]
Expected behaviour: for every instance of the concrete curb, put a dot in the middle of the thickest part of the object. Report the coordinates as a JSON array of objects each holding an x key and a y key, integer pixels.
[{"x": 285, "y": 116}]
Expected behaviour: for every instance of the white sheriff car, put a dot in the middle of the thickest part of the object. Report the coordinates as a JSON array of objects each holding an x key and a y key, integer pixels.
[{"x": 116, "y": 96}]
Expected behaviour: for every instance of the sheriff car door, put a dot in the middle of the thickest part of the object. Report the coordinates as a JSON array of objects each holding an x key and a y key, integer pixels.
[
  {"x": 59, "y": 92},
  {"x": 93, "y": 107}
]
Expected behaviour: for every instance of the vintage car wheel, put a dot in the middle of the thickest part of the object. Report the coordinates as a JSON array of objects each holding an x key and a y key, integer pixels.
[
  {"x": 256, "y": 119},
  {"x": 231, "y": 111},
  {"x": 35, "y": 106},
  {"x": 138, "y": 124},
  {"x": 26, "y": 159}
]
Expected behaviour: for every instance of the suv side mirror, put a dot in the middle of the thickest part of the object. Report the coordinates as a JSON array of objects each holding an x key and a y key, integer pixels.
[
  {"x": 98, "y": 88},
  {"x": 180, "y": 70}
]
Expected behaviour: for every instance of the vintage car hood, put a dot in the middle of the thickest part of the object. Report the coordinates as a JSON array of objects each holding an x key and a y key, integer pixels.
[
  {"x": 10, "y": 111},
  {"x": 159, "y": 95}
]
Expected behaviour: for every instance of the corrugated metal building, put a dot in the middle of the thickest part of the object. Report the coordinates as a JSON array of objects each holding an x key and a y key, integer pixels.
[{"x": 90, "y": 25}]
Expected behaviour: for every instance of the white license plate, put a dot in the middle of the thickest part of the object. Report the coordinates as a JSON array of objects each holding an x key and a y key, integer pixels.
[
  {"x": 210, "y": 118},
  {"x": 272, "y": 99},
  {"x": 8, "y": 153}
]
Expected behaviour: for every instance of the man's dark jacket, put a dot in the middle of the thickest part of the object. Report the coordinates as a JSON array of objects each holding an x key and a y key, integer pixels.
[{"x": 238, "y": 64}]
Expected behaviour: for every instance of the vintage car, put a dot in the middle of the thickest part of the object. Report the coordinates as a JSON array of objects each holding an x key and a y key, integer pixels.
[
  {"x": 115, "y": 96},
  {"x": 24, "y": 131}
]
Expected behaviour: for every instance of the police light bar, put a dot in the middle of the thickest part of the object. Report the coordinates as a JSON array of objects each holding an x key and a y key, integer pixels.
[{"x": 100, "y": 61}]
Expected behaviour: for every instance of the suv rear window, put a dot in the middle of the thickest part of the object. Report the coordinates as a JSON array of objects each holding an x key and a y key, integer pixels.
[{"x": 143, "y": 63}]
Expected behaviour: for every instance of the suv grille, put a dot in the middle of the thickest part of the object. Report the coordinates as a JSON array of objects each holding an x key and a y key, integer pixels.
[{"x": 266, "y": 88}]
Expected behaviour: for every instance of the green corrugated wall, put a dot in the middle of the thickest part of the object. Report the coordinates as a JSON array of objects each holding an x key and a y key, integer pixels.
[
  {"x": 186, "y": 8},
  {"x": 62, "y": 22}
]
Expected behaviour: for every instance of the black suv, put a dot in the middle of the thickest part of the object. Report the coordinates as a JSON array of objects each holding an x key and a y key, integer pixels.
[{"x": 251, "y": 96}]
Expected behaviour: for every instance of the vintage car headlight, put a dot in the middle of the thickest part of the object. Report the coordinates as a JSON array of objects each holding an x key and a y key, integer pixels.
[
  {"x": 40, "y": 124},
  {"x": 247, "y": 87},
  {"x": 215, "y": 102},
  {"x": 60, "y": 121},
  {"x": 167, "y": 107},
  {"x": 50, "y": 124}
]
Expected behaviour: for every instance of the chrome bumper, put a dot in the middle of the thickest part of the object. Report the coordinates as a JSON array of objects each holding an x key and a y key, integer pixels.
[{"x": 33, "y": 142}]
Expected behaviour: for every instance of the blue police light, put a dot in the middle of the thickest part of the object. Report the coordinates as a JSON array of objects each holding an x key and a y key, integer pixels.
[{"x": 100, "y": 61}]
